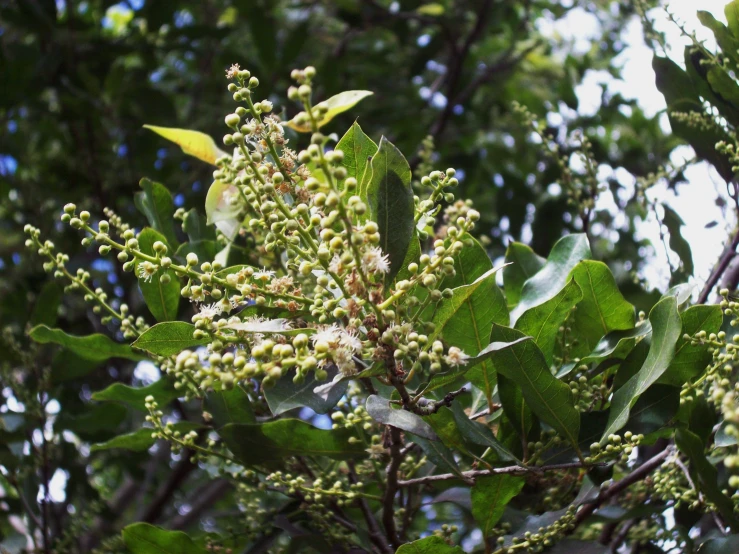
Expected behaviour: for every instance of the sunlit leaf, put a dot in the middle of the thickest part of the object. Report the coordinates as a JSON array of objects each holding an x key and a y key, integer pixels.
[
  {"x": 193, "y": 143},
  {"x": 335, "y": 105}
]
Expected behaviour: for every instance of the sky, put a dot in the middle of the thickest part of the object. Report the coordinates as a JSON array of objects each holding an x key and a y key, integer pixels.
[{"x": 696, "y": 201}]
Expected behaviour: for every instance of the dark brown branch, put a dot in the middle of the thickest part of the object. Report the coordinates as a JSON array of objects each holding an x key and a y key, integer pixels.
[
  {"x": 372, "y": 526},
  {"x": 178, "y": 475},
  {"x": 516, "y": 470},
  {"x": 723, "y": 263},
  {"x": 391, "y": 488},
  {"x": 203, "y": 499}
]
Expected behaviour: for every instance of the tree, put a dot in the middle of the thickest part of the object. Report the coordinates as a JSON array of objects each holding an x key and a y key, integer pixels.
[{"x": 347, "y": 357}]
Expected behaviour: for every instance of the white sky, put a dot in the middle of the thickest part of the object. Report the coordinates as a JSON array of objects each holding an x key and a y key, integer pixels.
[{"x": 695, "y": 202}]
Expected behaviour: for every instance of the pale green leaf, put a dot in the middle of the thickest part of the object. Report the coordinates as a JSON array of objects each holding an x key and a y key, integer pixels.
[
  {"x": 193, "y": 143},
  {"x": 335, "y": 105}
]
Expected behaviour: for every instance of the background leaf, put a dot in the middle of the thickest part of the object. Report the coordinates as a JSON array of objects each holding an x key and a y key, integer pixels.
[
  {"x": 285, "y": 395},
  {"x": 524, "y": 263},
  {"x": 358, "y": 150},
  {"x": 143, "y": 538},
  {"x": 162, "y": 299},
  {"x": 162, "y": 390},
  {"x": 169, "y": 338},
  {"x": 156, "y": 203},
  {"x": 381, "y": 411},
  {"x": 96, "y": 347},
  {"x": 490, "y": 495},
  {"x": 230, "y": 406},
  {"x": 194, "y": 143}
]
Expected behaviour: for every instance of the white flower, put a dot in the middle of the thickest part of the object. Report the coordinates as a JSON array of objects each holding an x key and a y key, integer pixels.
[
  {"x": 344, "y": 361},
  {"x": 330, "y": 334},
  {"x": 350, "y": 339},
  {"x": 147, "y": 271},
  {"x": 263, "y": 274},
  {"x": 375, "y": 261},
  {"x": 211, "y": 310},
  {"x": 455, "y": 357},
  {"x": 334, "y": 265}
]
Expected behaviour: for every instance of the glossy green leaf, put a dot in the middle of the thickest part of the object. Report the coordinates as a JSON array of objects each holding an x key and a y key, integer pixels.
[
  {"x": 514, "y": 408},
  {"x": 429, "y": 545},
  {"x": 163, "y": 392},
  {"x": 285, "y": 395},
  {"x": 705, "y": 475},
  {"x": 143, "y": 538},
  {"x": 478, "y": 433},
  {"x": 95, "y": 348},
  {"x": 549, "y": 399},
  {"x": 690, "y": 360},
  {"x": 197, "y": 228},
  {"x": 390, "y": 201},
  {"x": 193, "y": 143},
  {"x": 603, "y": 308},
  {"x": 229, "y": 406},
  {"x": 411, "y": 256},
  {"x": 524, "y": 264},
  {"x": 542, "y": 322},
  {"x": 666, "y": 330},
  {"x": 141, "y": 439},
  {"x": 445, "y": 427},
  {"x": 156, "y": 203},
  {"x": 731, "y": 11},
  {"x": 335, "y": 105},
  {"x": 169, "y": 338},
  {"x": 565, "y": 255},
  {"x": 438, "y": 454},
  {"x": 162, "y": 299},
  {"x": 655, "y": 409},
  {"x": 381, "y": 411},
  {"x": 358, "y": 150},
  {"x": 490, "y": 495},
  {"x": 276, "y": 440}
]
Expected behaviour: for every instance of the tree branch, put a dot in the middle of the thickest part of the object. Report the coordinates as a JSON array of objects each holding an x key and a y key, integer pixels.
[
  {"x": 388, "y": 510},
  {"x": 203, "y": 499},
  {"x": 372, "y": 526},
  {"x": 723, "y": 263}
]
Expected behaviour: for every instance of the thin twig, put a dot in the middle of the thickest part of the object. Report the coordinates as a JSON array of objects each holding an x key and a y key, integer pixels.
[
  {"x": 372, "y": 526},
  {"x": 515, "y": 470},
  {"x": 723, "y": 263},
  {"x": 391, "y": 488}
]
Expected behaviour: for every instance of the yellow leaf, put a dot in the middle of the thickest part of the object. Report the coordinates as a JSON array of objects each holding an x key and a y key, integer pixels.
[
  {"x": 193, "y": 143},
  {"x": 431, "y": 9},
  {"x": 335, "y": 105}
]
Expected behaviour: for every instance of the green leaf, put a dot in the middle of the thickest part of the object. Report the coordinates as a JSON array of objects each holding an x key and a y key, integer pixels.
[
  {"x": 469, "y": 327},
  {"x": 477, "y": 433},
  {"x": 229, "y": 406},
  {"x": 223, "y": 207},
  {"x": 193, "y": 143},
  {"x": 429, "y": 545},
  {"x": 550, "y": 400},
  {"x": 95, "y": 348},
  {"x": 705, "y": 475},
  {"x": 666, "y": 330},
  {"x": 276, "y": 440},
  {"x": 390, "y": 201},
  {"x": 542, "y": 322},
  {"x": 678, "y": 244},
  {"x": 515, "y": 409},
  {"x": 565, "y": 255},
  {"x": 285, "y": 395},
  {"x": 524, "y": 263},
  {"x": 47, "y": 305},
  {"x": 381, "y": 411},
  {"x": 731, "y": 11},
  {"x": 167, "y": 339},
  {"x": 439, "y": 455},
  {"x": 720, "y": 545},
  {"x": 203, "y": 249},
  {"x": 162, "y": 391},
  {"x": 690, "y": 360},
  {"x": 358, "y": 150},
  {"x": 141, "y": 439},
  {"x": 602, "y": 309},
  {"x": 654, "y": 410},
  {"x": 445, "y": 426},
  {"x": 162, "y": 299},
  {"x": 335, "y": 105},
  {"x": 197, "y": 228},
  {"x": 490, "y": 495},
  {"x": 155, "y": 202},
  {"x": 142, "y": 538},
  {"x": 95, "y": 422}
]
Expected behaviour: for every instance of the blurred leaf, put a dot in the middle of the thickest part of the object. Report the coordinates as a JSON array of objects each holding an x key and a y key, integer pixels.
[
  {"x": 335, "y": 105},
  {"x": 162, "y": 391},
  {"x": 162, "y": 299},
  {"x": 167, "y": 339},
  {"x": 524, "y": 263},
  {"x": 96, "y": 348},
  {"x": 229, "y": 406},
  {"x": 690, "y": 360},
  {"x": 438, "y": 454},
  {"x": 141, "y": 439},
  {"x": 47, "y": 305},
  {"x": 490, "y": 495},
  {"x": 142, "y": 538},
  {"x": 666, "y": 330},
  {"x": 478, "y": 433},
  {"x": 197, "y": 228},
  {"x": 429, "y": 545},
  {"x": 381, "y": 411},
  {"x": 194, "y": 143},
  {"x": 155, "y": 202},
  {"x": 720, "y": 545},
  {"x": 222, "y": 206},
  {"x": 285, "y": 395},
  {"x": 92, "y": 422}
]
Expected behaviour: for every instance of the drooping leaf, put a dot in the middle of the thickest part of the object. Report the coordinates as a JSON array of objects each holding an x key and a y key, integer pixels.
[
  {"x": 193, "y": 143},
  {"x": 276, "y": 440},
  {"x": 141, "y": 439},
  {"x": 162, "y": 391},
  {"x": 603, "y": 308},
  {"x": 690, "y": 360},
  {"x": 390, "y": 201},
  {"x": 542, "y": 322},
  {"x": 490, "y": 495},
  {"x": 229, "y": 406},
  {"x": 169, "y": 338},
  {"x": 550, "y": 400},
  {"x": 335, "y": 105},
  {"x": 678, "y": 244},
  {"x": 720, "y": 545},
  {"x": 478, "y": 433},
  {"x": 429, "y": 545},
  {"x": 285, "y": 395},
  {"x": 381, "y": 411},
  {"x": 143, "y": 538},
  {"x": 445, "y": 427},
  {"x": 358, "y": 150},
  {"x": 666, "y": 330},
  {"x": 524, "y": 263},
  {"x": 156, "y": 203},
  {"x": 95, "y": 348},
  {"x": 705, "y": 475},
  {"x": 162, "y": 299},
  {"x": 545, "y": 284},
  {"x": 438, "y": 454}
]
